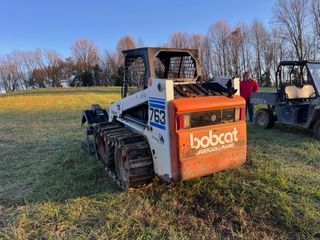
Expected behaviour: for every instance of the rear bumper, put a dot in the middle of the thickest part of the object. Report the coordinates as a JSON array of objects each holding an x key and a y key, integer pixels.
[{"x": 201, "y": 166}]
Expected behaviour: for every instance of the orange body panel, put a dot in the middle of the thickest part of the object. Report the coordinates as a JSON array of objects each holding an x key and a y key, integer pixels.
[{"x": 204, "y": 150}]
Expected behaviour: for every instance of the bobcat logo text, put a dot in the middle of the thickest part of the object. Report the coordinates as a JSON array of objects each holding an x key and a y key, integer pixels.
[{"x": 214, "y": 142}]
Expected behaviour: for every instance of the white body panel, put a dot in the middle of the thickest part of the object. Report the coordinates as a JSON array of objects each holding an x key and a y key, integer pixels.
[
  {"x": 236, "y": 85},
  {"x": 157, "y": 129}
]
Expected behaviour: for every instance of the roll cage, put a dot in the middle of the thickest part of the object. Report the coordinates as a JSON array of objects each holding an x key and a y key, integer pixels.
[
  {"x": 142, "y": 64},
  {"x": 298, "y": 74}
]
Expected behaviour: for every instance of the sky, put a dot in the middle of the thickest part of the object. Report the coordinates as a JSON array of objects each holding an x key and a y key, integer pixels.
[{"x": 56, "y": 24}]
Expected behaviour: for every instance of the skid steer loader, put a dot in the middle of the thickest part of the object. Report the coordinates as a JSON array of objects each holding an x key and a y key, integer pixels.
[{"x": 169, "y": 122}]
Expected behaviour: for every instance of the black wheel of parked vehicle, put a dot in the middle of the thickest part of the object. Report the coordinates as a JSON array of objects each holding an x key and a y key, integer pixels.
[
  {"x": 264, "y": 118},
  {"x": 316, "y": 130}
]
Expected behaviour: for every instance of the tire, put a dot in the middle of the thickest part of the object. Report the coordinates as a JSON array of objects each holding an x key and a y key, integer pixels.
[
  {"x": 316, "y": 130},
  {"x": 264, "y": 118},
  {"x": 122, "y": 168},
  {"x": 133, "y": 165},
  {"x": 104, "y": 151}
]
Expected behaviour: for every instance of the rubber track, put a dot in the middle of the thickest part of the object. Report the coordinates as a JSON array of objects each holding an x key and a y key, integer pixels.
[
  {"x": 100, "y": 130},
  {"x": 135, "y": 147}
]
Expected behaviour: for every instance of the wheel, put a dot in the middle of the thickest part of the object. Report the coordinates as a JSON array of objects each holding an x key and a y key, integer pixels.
[
  {"x": 104, "y": 151},
  {"x": 264, "y": 118},
  {"x": 133, "y": 165},
  {"x": 316, "y": 130},
  {"x": 122, "y": 167}
]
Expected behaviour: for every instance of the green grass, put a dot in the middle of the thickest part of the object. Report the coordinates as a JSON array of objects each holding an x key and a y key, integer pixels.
[
  {"x": 267, "y": 89},
  {"x": 51, "y": 189}
]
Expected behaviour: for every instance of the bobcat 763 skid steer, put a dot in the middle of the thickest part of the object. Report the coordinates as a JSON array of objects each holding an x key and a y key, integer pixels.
[{"x": 173, "y": 124}]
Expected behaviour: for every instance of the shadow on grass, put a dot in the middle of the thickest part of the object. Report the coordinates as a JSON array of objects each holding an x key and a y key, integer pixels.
[{"x": 51, "y": 171}]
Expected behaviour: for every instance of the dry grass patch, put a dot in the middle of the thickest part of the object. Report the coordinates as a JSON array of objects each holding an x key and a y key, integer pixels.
[{"x": 50, "y": 188}]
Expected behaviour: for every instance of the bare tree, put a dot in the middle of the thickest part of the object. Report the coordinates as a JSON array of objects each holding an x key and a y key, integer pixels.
[
  {"x": 68, "y": 70},
  {"x": 54, "y": 68},
  {"x": 267, "y": 55},
  {"x": 260, "y": 41},
  {"x": 10, "y": 74},
  {"x": 39, "y": 77},
  {"x": 199, "y": 42},
  {"x": 179, "y": 40},
  {"x": 315, "y": 13},
  {"x": 291, "y": 16},
  {"x": 236, "y": 42},
  {"x": 205, "y": 59},
  {"x": 195, "y": 41},
  {"x": 31, "y": 60},
  {"x": 126, "y": 42},
  {"x": 111, "y": 68},
  {"x": 219, "y": 38},
  {"x": 246, "y": 50},
  {"x": 85, "y": 53}
]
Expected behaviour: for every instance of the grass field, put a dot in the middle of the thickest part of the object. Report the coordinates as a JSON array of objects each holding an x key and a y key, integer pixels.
[{"x": 50, "y": 189}]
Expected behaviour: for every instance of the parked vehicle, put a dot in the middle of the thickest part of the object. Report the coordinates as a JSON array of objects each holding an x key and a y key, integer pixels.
[{"x": 296, "y": 101}]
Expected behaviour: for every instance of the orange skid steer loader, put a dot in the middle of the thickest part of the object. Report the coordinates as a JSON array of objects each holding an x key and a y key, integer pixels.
[{"x": 169, "y": 121}]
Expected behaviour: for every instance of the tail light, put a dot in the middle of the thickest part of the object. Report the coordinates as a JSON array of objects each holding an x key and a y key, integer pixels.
[{"x": 184, "y": 120}]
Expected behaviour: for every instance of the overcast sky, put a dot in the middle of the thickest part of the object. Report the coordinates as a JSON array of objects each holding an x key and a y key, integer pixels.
[{"x": 56, "y": 24}]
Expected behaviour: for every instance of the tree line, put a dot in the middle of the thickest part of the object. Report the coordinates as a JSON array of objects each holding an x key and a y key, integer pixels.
[{"x": 294, "y": 34}]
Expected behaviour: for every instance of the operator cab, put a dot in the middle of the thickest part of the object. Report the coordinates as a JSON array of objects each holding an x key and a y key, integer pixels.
[
  {"x": 182, "y": 66},
  {"x": 144, "y": 64},
  {"x": 297, "y": 81},
  {"x": 297, "y": 85}
]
